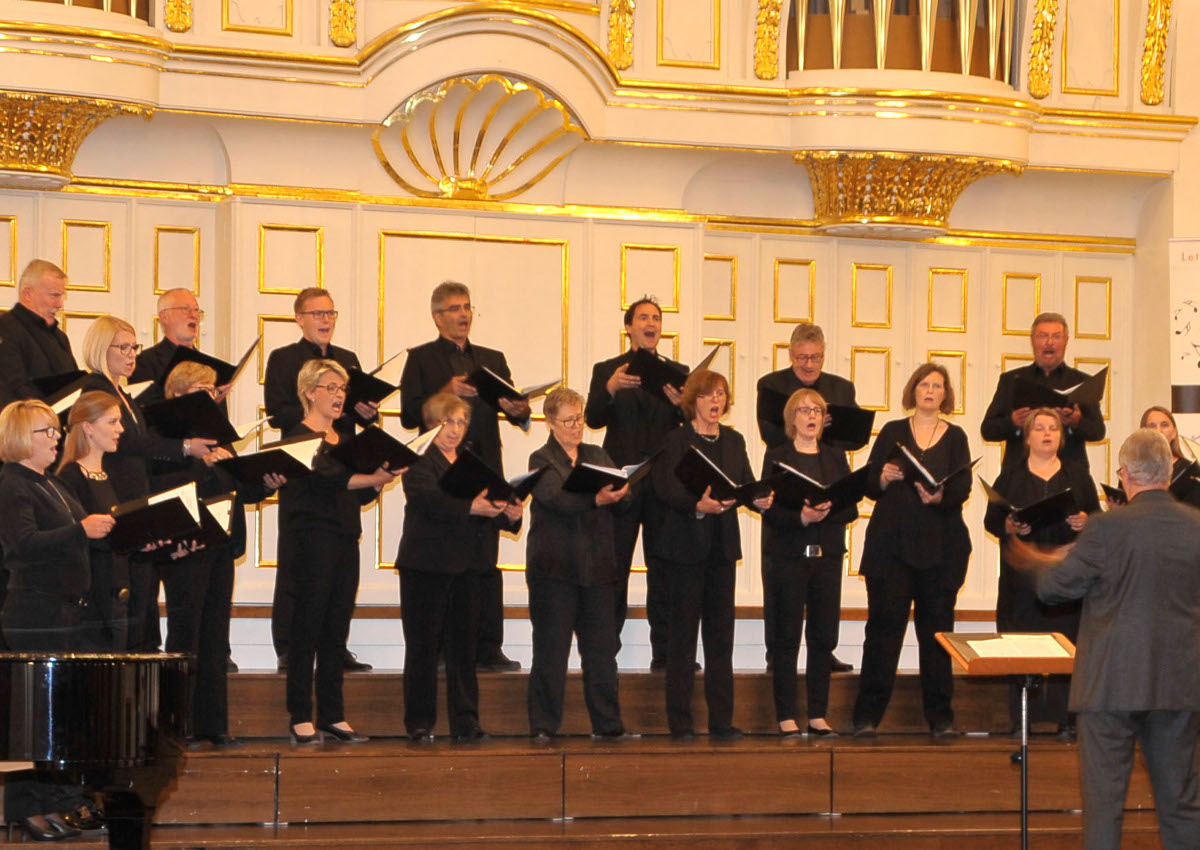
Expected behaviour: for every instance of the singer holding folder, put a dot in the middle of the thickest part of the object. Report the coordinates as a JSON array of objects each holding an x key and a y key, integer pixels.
[
  {"x": 1018, "y": 608},
  {"x": 802, "y": 550},
  {"x": 916, "y": 551},
  {"x": 1185, "y": 489},
  {"x": 700, "y": 544}
]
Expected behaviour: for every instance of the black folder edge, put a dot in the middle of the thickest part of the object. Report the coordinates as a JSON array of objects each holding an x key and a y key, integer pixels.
[
  {"x": 373, "y": 446},
  {"x": 54, "y": 387},
  {"x": 191, "y": 415},
  {"x": 364, "y": 386},
  {"x": 914, "y": 470},
  {"x": 237, "y": 464},
  {"x": 1090, "y": 390},
  {"x": 469, "y": 467},
  {"x": 1040, "y": 514},
  {"x": 225, "y": 370},
  {"x": 846, "y": 490},
  {"x": 850, "y": 427},
  {"x": 694, "y": 468},
  {"x": 656, "y": 371},
  {"x": 148, "y": 523}
]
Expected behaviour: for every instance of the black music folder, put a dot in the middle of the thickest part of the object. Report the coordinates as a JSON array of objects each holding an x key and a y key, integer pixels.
[
  {"x": 491, "y": 387},
  {"x": 698, "y": 474},
  {"x": 168, "y": 515},
  {"x": 1026, "y": 393},
  {"x": 915, "y": 471},
  {"x": 364, "y": 386},
  {"x": 593, "y": 477},
  {"x": 469, "y": 476},
  {"x": 849, "y": 428},
  {"x": 191, "y": 415},
  {"x": 291, "y": 458},
  {"x": 53, "y": 387},
  {"x": 1042, "y": 513},
  {"x": 1114, "y": 495},
  {"x": 793, "y": 489},
  {"x": 216, "y": 519},
  {"x": 657, "y": 371},
  {"x": 227, "y": 372},
  {"x": 372, "y": 447}
]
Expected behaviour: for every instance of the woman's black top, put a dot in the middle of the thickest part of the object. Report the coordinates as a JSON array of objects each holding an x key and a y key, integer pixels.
[
  {"x": 98, "y": 496},
  {"x": 902, "y": 527},
  {"x": 129, "y": 467},
  {"x": 45, "y": 547},
  {"x": 320, "y": 501},
  {"x": 1022, "y": 488},
  {"x": 1184, "y": 486},
  {"x": 440, "y": 535},
  {"x": 570, "y": 538},
  {"x": 784, "y": 534}
]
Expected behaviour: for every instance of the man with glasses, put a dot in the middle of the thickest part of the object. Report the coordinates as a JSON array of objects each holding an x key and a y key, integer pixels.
[
  {"x": 179, "y": 318},
  {"x": 32, "y": 345},
  {"x": 443, "y": 366},
  {"x": 1048, "y": 337},
  {"x": 806, "y": 351},
  {"x": 317, "y": 318}
]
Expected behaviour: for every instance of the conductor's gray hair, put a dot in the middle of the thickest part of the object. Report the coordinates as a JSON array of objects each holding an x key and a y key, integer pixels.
[{"x": 1146, "y": 456}]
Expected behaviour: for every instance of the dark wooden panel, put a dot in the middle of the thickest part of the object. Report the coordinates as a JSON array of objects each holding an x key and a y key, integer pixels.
[{"x": 213, "y": 788}]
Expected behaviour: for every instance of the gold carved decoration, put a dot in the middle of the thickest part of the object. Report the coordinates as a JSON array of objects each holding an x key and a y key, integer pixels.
[
  {"x": 880, "y": 193},
  {"x": 766, "y": 40},
  {"x": 620, "y": 33},
  {"x": 487, "y": 138},
  {"x": 1041, "y": 47},
  {"x": 178, "y": 15},
  {"x": 41, "y": 133},
  {"x": 1154, "y": 53},
  {"x": 343, "y": 28}
]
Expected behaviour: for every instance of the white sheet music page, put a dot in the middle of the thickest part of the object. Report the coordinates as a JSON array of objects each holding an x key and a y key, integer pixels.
[{"x": 1019, "y": 646}]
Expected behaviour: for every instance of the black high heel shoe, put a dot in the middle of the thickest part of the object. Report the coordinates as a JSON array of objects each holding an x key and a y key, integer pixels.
[
  {"x": 344, "y": 736},
  {"x": 304, "y": 740},
  {"x": 54, "y": 829}
]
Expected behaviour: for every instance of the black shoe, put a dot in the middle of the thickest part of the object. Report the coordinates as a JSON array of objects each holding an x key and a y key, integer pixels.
[
  {"x": 54, "y": 830},
  {"x": 541, "y": 738},
  {"x": 864, "y": 729},
  {"x": 498, "y": 663},
  {"x": 305, "y": 740},
  {"x": 230, "y": 664},
  {"x": 820, "y": 733},
  {"x": 838, "y": 666},
  {"x": 84, "y": 819},
  {"x": 281, "y": 664},
  {"x": 616, "y": 736},
  {"x": 790, "y": 733},
  {"x": 420, "y": 736},
  {"x": 224, "y": 741},
  {"x": 658, "y": 664},
  {"x": 351, "y": 664},
  {"x": 1066, "y": 733},
  {"x": 726, "y": 733},
  {"x": 343, "y": 736},
  {"x": 944, "y": 730},
  {"x": 471, "y": 736},
  {"x": 683, "y": 735}
]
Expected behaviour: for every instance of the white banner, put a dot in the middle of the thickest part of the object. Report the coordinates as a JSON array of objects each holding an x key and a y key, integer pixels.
[{"x": 1185, "y": 335}]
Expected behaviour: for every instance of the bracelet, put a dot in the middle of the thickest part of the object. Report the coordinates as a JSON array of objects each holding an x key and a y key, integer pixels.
[{"x": 187, "y": 447}]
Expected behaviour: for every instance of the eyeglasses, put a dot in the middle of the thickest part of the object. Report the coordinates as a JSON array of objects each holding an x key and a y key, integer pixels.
[
  {"x": 714, "y": 395},
  {"x": 455, "y": 309},
  {"x": 333, "y": 389},
  {"x": 571, "y": 421},
  {"x": 458, "y": 421},
  {"x": 1044, "y": 337},
  {"x": 810, "y": 411},
  {"x": 809, "y": 358},
  {"x": 320, "y": 314},
  {"x": 128, "y": 347},
  {"x": 194, "y": 310},
  {"x": 50, "y": 431}
]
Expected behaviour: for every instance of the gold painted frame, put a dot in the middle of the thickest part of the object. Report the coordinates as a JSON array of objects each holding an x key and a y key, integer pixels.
[
  {"x": 1107, "y": 281},
  {"x": 732, "y": 376},
  {"x": 171, "y": 228},
  {"x": 263, "y": 318},
  {"x": 12, "y": 250},
  {"x": 713, "y": 64},
  {"x": 1106, "y": 399},
  {"x": 1036, "y": 277},
  {"x": 733, "y": 286},
  {"x": 812, "y": 291},
  {"x": 776, "y": 347},
  {"x": 960, "y": 395},
  {"x": 106, "y": 226},
  {"x": 286, "y": 29},
  {"x": 265, "y": 228},
  {"x": 64, "y": 315},
  {"x": 962, "y": 327},
  {"x": 671, "y": 335},
  {"x": 626, "y": 247},
  {"x": 1115, "y": 91},
  {"x": 886, "y": 351},
  {"x": 880, "y": 267}
]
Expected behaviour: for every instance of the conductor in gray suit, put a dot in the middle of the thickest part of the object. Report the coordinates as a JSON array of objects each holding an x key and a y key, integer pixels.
[{"x": 1137, "y": 667}]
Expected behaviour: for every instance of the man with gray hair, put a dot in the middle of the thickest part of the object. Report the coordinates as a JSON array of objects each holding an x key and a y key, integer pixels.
[
  {"x": 1137, "y": 665},
  {"x": 179, "y": 318},
  {"x": 32, "y": 345}
]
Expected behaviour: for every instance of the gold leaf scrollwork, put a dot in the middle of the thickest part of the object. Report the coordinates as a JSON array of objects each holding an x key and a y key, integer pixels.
[
  {"x": 1041, "y": 47},
  {"x": 178, "y": 15},
  {"x": 620, "y": 33},
  {"x": 766, "y": 40},
  {"x": 41, "y": 133},
  {"x": 1154, "y": 52},
  {"x": 881, "y": 193},
  {"x": 343, "y": 27}
]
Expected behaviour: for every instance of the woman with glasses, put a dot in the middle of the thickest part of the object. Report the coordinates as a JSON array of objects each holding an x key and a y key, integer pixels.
[
  {"x": 447, "y": 544},
  {"x": 320, "y": 524},
  {"x": 802, "y": 552},
  {"x": 45, "y": 534},
  {"x": 571, "y": 572},
  {"x": 701, "y": 543}
]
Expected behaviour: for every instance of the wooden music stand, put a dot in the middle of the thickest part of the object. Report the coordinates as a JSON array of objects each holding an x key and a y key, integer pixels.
[{"x": 1015, "y": 660}]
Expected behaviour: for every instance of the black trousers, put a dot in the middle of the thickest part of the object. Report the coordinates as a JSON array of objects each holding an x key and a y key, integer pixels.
[
  {"x": 1106, "y": 749},
  {"x": 199, "y": 594},
  {"x": 281, "y": 607},
  {"x": 556, "y": 610},
  {"x": 796, "y": 586},
  {"x": 490, "y": 630},
  {"x": 105, "y": 621},
  {"x": 701, "y": 597},
  {"x": 145, "y": 633},
  {"x": 324, "y": 584},
  {"x": 644, "y": 511},
  {"x": 440, "y": 610},
  {"x": 893, "y": 588}
]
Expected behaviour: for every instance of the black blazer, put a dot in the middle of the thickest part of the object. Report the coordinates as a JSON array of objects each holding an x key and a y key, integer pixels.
[
  {"x": 570, "y": 538},
  {"x": 783, "y": 382},
  {"x": 320, "y": 501},
  {"x": 440, "y": 535},
  {"x": 152, "y": 366},
  {"x": 684, "y": 537},
  {"x": 635, "y": 421},
  {"x": 279, "y": 384},
  {"x": 29, "y": 348},
  {"x": 784, "y": 533},
  {"x": 45, "y": 547},
  {"x": 130, "y": 465}
]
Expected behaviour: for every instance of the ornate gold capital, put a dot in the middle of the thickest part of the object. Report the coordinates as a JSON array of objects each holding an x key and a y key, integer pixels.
[
  {"x": 766, "y": 40},
  {"x": 1041, "y": 47},
  {"x": 178, "y": 15},
  {"x": 620, "y": 33},
  {"x": 880, "y": 193},
  {"x": 1154, "y": 53},
  {"x": 343, "y": 26},
  {"x": 41, "y": 133}
]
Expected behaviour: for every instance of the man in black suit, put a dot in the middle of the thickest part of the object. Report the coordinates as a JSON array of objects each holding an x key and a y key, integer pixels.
[
  {"x": 1049, "y": 337},
  {"x": 806, "y": 351},
  {"x": 317, "y": 317},
  {"x": 443, "y": 366},
  {"x": 1137, "y": 665},
  {"x": 32, "y": 345},
  {"x": 179, "y": 318},
  {"x": 636, "y": 422}
]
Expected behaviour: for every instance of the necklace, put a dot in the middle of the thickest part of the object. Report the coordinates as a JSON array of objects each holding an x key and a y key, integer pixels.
[
  {"x": 711, "y": 438},
  {"x": 912, "y": 426}
]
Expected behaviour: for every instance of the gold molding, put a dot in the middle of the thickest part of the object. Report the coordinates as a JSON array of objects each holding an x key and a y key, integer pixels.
[
  {"x": 1106, "y": 399},
  {"x": 171, "y": 228},
  {"x": 960, "y": 395},
  {"x": 725, "y": 342},
  {"x": 620, "y": 33},
  {"x": 1107, "y": 281},
  {"x": 1154, "y": 51},
  {"x": 286, "y": 29},
  {"x": 713, "y": 64},
  {"x": 380, "y": 562},
  {"x": 626, "y": 247},
  {"x": 177, "y": 15},
  {"x": 879, "y": 267},
  {"x": 766, "y": 39},
  {"x": 1036, "y": 277},
  {"x": 11, "y": 220},
  {"x": 1106, "y": 444},
  {"x": 777, "y": 347},
  {"x": 812, "y": 291},
  {"x": 104, "y": 226},
  {"x": 343, "y": 23},
  {"x": 263, "y": 229},
  {"x": 733, "y": 287},
  {"x": 1041, "y": 47},
  {"x": 64, "y": 315},
  {"x": 886, "y": 351},
  {"x": 884, "y": 192},
  {"x": 1007, "y": 359},
  {"x": 1115, "y": 91},
  {"x": 263, "y": 318},
  {"x": 961, "y": 328}
]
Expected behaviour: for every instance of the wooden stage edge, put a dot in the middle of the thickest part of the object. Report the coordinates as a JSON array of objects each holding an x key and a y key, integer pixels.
[{"x": 253, "y": 611}]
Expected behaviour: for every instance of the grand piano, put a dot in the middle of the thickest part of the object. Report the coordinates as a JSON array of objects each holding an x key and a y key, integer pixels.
[{"x": 112, "y": 722}]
